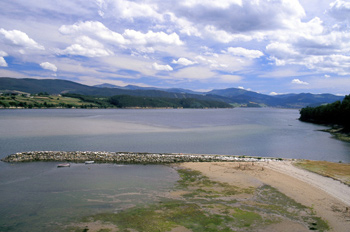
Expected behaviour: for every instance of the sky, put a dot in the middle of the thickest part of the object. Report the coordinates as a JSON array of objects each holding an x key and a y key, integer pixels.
[{"x": 267, "y": 46}]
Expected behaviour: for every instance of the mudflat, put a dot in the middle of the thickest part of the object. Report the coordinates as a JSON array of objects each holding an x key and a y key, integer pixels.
[{"x": 328, "y": 198}]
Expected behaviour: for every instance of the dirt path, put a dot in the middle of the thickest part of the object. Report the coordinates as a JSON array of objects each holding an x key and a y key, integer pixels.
[
  {"x": 328, "y": 198},
  {"x": 333, "y": 187}
]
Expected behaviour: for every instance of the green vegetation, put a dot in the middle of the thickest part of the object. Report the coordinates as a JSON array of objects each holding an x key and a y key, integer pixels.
[
  {"x": 338, "y": 171},
  {"x": 337, "y": 113},
  {"x": 200, "y": 204},
  {"x": 43, "y": 100},
  {"x": 126, "y": 101}
]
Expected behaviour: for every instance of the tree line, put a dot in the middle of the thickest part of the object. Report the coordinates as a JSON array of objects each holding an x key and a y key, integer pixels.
[
  {"x": 337, "y": 113},
  {"x": 118, "y": 101}
]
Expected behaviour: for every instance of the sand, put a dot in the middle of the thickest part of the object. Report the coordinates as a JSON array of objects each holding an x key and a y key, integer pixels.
[{"x": 329, "y": 198}]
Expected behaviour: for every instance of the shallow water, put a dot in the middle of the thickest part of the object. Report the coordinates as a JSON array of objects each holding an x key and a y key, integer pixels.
[{"x": 41, "y": 197}]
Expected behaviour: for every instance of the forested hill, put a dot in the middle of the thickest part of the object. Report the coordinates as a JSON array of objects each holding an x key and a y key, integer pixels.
[
  {"x": 337, "y": 113},
  {"x": 233, "y": 96}
]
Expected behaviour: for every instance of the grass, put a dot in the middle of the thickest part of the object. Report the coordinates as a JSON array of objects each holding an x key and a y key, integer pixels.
[
  {"x": 207, "y": 205},
  {"x": 56, "y": 101},
  {"x": 338, "y": 171}
]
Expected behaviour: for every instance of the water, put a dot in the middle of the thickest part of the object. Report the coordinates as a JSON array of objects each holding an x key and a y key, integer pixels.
[
  {"x": 258, "y": 132},
  {"x": 41, "y": 197}
]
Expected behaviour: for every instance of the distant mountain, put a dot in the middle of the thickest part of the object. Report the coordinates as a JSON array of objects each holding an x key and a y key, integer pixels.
[
  {"x": 230, "y": 95},
  {"x": 105, "y": 85},
  {"x": 284, "y": 100},
  {"x": 56, "y": 86},
  {"x": 135, "y": 87}
]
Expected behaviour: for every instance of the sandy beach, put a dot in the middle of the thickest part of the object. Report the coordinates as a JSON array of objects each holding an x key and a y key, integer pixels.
[{"x": 327, "y": 197}]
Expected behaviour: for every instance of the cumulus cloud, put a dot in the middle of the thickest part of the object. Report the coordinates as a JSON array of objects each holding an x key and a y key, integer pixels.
[
  {"x": 49, "y": 66},
  {"x": 151, "y": 38},
  {"x": 340, "y": 10},
  {"x": 129, "y": 37},
  {"x": 299, "y": 82},
  {"x": 160, "y": 67},
  {"x": 21, "y": 39},
  {"x": 246, "y": 15},
  {"x": 3, "y": 62},
  {"x": 88, "y": 47},
  {"x": 222, "y": 4},
  {"x": 128, "y": 9},
  {"x": 183, "y": 61},
  {"x": 92, "y": 28},
  {"x": 239, "y": 51}
]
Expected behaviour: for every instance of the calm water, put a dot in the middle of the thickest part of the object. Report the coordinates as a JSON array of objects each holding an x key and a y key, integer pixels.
[
  {"x": 257, "y": 132},
  {"x": 41, "y": 197}
]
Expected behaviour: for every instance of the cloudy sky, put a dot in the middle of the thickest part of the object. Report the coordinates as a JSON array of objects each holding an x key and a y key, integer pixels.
[{"x": 268, "y": 46}]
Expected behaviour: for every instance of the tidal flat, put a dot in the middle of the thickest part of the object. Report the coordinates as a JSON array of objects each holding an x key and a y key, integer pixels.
[{"x": 200, "y": 203}]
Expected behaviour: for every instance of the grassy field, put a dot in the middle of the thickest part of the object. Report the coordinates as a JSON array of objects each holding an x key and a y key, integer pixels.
[
  {"x": 338, "y": 171},
  {"x": 49, "y": 101}
]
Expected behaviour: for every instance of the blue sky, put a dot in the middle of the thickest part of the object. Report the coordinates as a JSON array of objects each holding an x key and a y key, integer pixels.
[{"x": 267, "y": 46}]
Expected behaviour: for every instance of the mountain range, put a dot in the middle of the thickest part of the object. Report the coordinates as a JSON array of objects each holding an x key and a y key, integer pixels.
[{"x": 233, "y": 96}]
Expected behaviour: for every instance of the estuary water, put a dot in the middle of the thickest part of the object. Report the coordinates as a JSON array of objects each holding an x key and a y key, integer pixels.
[
  {"x": 264, "y": 132},
  {"x": 39, "y": 196}
]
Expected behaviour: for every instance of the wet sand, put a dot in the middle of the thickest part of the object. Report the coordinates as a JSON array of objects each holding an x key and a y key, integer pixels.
[{"x": 327, "y": 197}]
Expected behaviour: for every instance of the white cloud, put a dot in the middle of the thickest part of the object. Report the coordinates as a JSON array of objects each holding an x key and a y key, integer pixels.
[
  {"x": 2, "y": 53},
  {"x": 223, "y": 4},
  {"x": 128, "y": 9},
  {"x": 160, "y": 67},
  {"x": 3, "y": 62},
  {"x": 86, "y": 46},
  {"x": 183, "y": 61},
  {"x": 129, "y": 37},
  {"x": 239, "y": 51},
  {"x": 340, "y": 9},
  {"x": 195, "y": 73},
  {"x": 93, "y": 28},
  {"x": 49, "y": 66},
  {"x": 299, "y": 82},
  {"x": 281, "y": 50},
  {"x": 151, "y": 38},
  {"x": 20, "y": 38},
  {"x": 79, "y": 50}
]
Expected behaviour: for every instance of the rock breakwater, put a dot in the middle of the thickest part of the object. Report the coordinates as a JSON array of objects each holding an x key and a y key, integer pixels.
[{"x": 124, "y": 157}]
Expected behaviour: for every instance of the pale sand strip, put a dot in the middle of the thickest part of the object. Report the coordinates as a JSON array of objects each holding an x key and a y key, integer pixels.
[
  {"x": 328, "y": 197},
  {"x": 333, "y": 187}
]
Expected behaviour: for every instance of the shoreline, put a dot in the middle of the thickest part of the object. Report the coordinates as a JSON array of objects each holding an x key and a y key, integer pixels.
[
  {"x": 328, "y": 198},
  {"x": 325, "y": 197}
]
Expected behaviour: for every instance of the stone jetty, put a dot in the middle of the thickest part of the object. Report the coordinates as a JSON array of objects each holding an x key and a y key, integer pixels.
[{"x": 124, "y": 157}]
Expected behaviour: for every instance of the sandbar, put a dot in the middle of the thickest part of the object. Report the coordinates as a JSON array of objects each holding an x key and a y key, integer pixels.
[{"x": 327, "y": 197}]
